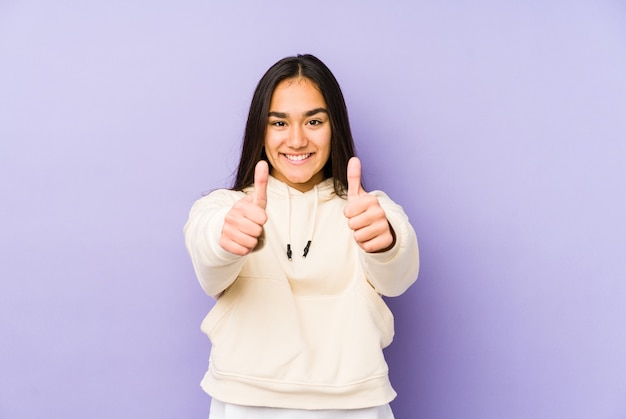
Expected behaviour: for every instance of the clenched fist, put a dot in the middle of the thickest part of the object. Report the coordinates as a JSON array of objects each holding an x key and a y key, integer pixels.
[
  {"x": 243, "y": 224},
  {"x": 366, "y": 217}
]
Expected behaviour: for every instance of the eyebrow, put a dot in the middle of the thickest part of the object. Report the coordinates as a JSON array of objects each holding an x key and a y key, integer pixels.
[{"x": 307, "y": 113}]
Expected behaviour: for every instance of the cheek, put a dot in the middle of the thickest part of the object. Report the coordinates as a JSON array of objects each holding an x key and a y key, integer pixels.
[{"x": 324, "y": 142}]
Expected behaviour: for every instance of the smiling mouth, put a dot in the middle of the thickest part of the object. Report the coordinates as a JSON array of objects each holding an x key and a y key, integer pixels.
[{"x": 297, "y": 157}]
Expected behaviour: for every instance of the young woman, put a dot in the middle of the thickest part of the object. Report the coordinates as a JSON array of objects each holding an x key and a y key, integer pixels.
[{"x": 297, "y": 255}]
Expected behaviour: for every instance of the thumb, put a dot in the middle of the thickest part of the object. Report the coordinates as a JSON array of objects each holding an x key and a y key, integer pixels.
[
  {"x": 354, "y": 178},
  {"x": 259, "y": 195}
]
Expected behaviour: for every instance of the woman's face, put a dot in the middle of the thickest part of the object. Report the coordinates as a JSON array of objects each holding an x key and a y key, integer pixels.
[{"x": 297, "y": 140}]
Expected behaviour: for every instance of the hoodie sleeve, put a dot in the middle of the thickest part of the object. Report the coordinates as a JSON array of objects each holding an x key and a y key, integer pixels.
[
  {"x": 392, "y": 272},
  {"x": 215, "y": 267}
]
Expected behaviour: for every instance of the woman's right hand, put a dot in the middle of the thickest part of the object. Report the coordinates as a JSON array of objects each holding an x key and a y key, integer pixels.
[{"x": 243, "y": 224}]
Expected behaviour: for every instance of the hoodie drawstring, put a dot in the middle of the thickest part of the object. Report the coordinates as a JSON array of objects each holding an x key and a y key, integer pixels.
[{"x": 311, "y": 228}]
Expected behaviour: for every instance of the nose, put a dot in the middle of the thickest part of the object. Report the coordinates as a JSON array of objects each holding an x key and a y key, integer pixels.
[{"x": 297, "y": 137}]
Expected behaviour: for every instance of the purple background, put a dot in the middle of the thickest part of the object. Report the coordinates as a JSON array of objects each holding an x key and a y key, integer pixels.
[{"x": 499, "y": 126}]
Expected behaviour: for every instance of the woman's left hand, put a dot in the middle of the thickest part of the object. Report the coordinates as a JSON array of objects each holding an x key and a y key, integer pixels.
[{"x": 366, "y": 217}]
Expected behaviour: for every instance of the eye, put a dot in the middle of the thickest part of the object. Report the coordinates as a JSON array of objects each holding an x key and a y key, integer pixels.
[
  {"x": 315, "y": 122},
  {"x": 278, "y": 123}
]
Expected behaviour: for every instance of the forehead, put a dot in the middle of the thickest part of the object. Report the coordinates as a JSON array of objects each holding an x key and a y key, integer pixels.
[{"x": 297, "y": 92}]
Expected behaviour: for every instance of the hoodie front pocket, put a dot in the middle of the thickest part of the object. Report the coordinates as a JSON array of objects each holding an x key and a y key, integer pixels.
[
  {"x": 256, "y": 332},
  {"x": 382, "y": 315},
  {"x": 220, "y": 309}
]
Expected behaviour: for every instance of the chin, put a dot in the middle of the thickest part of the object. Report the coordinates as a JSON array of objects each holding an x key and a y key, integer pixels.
[{"x": 298, "y": 181}]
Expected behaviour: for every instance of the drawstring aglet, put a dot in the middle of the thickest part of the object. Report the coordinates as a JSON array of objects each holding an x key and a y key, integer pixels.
[
  {"x": 289, "y": 252},
  {"x": 306, "y": 249}
]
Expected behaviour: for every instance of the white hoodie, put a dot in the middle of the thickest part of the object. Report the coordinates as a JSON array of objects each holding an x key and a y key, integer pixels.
[{"x": 304, "y": 333}]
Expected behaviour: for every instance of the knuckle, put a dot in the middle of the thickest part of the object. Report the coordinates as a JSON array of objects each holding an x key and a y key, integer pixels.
[{"x": 368, "y": 246}]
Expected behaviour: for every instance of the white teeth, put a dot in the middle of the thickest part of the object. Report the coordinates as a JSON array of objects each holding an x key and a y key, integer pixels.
[{"x": 298, "y": 157}]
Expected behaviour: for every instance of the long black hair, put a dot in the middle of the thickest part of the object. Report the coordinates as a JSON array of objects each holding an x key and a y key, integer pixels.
[{"x": 341, "y": 142}]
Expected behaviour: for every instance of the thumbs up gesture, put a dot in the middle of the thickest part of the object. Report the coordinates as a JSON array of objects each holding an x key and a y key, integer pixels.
[
  {"x": 366, "y": 218},
  {"x": 243, "y": 224}
]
